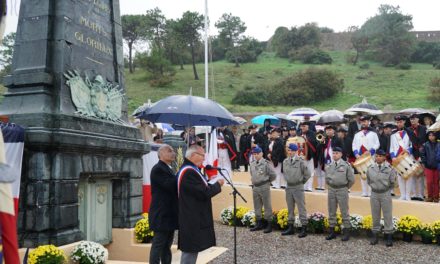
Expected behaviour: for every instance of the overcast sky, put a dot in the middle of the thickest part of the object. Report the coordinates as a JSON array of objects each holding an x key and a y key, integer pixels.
[{"x": 263, "y": 17}]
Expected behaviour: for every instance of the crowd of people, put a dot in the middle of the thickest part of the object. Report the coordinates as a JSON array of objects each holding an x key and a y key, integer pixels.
[
  {"x": 364, "y": 135},
  {"x": 402, "y": 152}
]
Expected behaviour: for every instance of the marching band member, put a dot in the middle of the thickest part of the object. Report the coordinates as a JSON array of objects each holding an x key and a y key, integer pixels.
[
  {"x": 381, "y": 178},
  {"x": 339, "y": 178},
  {"x": 309, "y": 136},
  {"x": 226, "y": 149},
  {"x": 417, "y": 135},
  {"x": 365, "y": 140},
  {"x": 255, "y": 139},
  {"x": 276, "y": 155},
  {"x": 399, "y": 143},
  {"x": 296, "y": 174}
]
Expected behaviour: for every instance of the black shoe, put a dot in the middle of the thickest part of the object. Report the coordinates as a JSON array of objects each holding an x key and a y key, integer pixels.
[
  {"x": 389, "y": 240},
  {"x": 392, "y": 194},
  {"x": 258, "y": 226},
  {"x": 332, "y": 234},
  {"x": 414, "y": 198},
  {"x": 290, "y": 230},
  {"x": 374, "y": 239},
  {"x": 345, "y": 234},
  {"x": 303, "y": 232},
  {"x": 268, "y": 228}
]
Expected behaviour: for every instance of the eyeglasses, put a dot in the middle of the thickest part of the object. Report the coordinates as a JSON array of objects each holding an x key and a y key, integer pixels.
[{"x": 199, "y": 154}]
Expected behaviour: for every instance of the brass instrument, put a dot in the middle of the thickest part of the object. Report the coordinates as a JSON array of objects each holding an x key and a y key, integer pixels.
[{"x": 320, "y": 137}]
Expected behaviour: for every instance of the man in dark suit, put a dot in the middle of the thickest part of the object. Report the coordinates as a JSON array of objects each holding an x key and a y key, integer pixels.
[
  {"x": 196, "y": 226},
  {"x": 163, "y": 210}
]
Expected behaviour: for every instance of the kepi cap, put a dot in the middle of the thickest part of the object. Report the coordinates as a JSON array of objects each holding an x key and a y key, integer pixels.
[
  {"x": 381, "y": 152},
  {"x": 293, "y": 147},
  {"x": 337, "y": 149},
  {"x": 257, "y": 149}
]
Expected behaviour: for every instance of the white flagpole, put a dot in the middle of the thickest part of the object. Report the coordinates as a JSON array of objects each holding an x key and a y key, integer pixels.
[{"x": 206, "y": 67}]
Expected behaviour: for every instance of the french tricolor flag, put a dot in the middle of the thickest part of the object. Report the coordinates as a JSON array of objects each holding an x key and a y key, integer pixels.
[
  {"x": 10, "y": 174},
  {"x": 211, "y": 156},
  {"x": 149, "y": 160}
]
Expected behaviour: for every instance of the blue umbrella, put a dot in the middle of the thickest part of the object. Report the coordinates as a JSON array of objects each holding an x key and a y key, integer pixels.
[
  {"x": 188, "y": 110},
  {"x": 259, "y": 120}
]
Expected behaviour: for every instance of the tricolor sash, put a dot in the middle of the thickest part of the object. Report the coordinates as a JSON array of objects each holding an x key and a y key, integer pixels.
[{"x": 183, "y": 170}]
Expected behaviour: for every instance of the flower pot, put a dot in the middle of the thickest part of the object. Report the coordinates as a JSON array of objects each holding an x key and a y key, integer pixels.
[
  {"x": 426, "y": 240},
  {"x": 407, "y": 237}
]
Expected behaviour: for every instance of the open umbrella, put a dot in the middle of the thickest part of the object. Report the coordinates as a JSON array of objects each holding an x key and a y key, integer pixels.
[
  {"x": 364, "y": 107},
  {"x": 240, "y": 120},
  {"x": 188, "y": 110},
  {"x": 331, "y": 116},
  {"x": 165, "y": 127},
  {"x": 304, "y": 111},
  {"x": 142, "y": 108},
  {"x": 420, "y": 111},
  {"x": 259, "y": 120}
]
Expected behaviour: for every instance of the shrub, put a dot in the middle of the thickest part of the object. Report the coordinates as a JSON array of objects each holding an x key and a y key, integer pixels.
[
  {"x": 434, "y": 87},
  {"x": 301, "y": 88},
  {"x": 47, "y": 254},
  {"x": 235, "y": 72},
  {"x": 160, "y": 81},
  {"x": 364, "y": 66},
  {"x": 88, "y": 252},
  {"x": 426, "y": 52},
  {"x": 142, "y": 230},
  {"x": 310, "y": 55},
  {"x": 403, "y": 66}
]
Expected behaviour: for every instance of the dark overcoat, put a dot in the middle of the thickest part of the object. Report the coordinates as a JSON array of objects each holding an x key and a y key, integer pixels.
[
  {"x": 163, "y": 209},
  {"x": 196, "y": 225}
]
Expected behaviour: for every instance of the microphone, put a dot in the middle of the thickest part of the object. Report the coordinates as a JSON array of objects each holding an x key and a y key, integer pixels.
[{"x": 209, "y": 167}]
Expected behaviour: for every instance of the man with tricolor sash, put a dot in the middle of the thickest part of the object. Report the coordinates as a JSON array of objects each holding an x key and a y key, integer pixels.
[{"x": 196, "y": 226}]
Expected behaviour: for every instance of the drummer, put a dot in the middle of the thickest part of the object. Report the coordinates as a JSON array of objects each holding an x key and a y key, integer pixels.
[
  {"x": 365, "y": 140},
  {"x": 399, "y": 143}
]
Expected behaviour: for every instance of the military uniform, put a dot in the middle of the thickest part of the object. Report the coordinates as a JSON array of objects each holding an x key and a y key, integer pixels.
[
  {"x": 339, "y": 178},
  {"x": 381, "y": 179},
  {"x": 261, "y": 176},
  {"x": 296, "y": 173}
]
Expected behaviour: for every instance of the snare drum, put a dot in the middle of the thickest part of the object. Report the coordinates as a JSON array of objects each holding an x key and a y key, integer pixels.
[
  {"x": 362, "y": 163},
  {"x": 407, "y": 166}
]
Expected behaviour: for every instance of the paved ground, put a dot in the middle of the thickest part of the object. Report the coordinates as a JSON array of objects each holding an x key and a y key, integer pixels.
[{"x": 256, "y": 247}]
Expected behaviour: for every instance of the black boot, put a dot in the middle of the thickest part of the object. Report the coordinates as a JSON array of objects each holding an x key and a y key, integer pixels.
[
  {"x": 268, "y": 228},
  {"x": 374, "y": 239},
  {"x": 332, "y": 234},
  {"x": 303, "y": 232},
  {"x": 345, "y": 234},
  {"x": 389, "y": 240},
  {"x": 258, "y": 226},
  {"x": 289, "y": 231}
]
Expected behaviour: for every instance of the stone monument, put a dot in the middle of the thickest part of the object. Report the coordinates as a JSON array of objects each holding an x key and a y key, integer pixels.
[{"x": 82, "y": 166}]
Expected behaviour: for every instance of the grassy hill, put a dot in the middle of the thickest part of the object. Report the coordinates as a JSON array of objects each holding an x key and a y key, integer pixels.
[{"x": 388, "y": 88}]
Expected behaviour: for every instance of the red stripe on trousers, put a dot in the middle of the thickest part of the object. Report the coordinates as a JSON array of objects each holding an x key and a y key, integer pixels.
[{"x": 432, "y": 182}]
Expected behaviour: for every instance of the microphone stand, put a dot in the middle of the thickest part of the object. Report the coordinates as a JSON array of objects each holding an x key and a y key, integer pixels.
[{"x": 234, "y": 195}]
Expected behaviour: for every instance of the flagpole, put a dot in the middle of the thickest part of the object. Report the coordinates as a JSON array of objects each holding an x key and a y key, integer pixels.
[{"x": 206, "y": 67}]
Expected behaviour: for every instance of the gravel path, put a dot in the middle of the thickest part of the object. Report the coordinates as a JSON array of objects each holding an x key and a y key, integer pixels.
[{"x": 256, "y": 247}]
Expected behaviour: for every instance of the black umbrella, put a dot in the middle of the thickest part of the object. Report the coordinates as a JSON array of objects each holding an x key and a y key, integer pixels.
[
  {"x": 364, "y": 107},
  {"x": 188, "y": 110},
  {"x": 420, "y": 111},
  {"x": 331, "y": 116}
]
